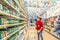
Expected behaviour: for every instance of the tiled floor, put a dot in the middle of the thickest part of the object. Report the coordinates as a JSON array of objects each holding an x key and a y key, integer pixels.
[{"x": 48, "y": 36}]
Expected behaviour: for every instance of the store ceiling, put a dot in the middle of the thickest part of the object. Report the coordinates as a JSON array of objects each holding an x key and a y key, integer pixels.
[{"x": 39, "y": 6}]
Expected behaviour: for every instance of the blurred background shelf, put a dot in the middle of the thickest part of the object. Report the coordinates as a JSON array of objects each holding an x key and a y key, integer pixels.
[{"x": 14, "y": 32}]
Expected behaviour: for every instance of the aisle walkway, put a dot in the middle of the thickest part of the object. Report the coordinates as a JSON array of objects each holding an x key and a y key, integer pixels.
[{"x": 48, "y": 36}]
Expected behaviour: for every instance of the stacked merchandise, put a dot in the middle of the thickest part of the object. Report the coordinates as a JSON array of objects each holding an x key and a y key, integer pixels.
[
  {"x": 21, "y": 35},
  {"x": 4, "y": 33},
  {"x": 14, "y": 36},
  {"x": 13, "y": 21},
  {"x": 58, "y": 26},
  {"x": 11, "y": 30},
  {"x": 13, "y": 4},
  {"x": 9, "y": 10},
  {"x": 4, "y": 21},
  {"x": 53, "y": 26}
]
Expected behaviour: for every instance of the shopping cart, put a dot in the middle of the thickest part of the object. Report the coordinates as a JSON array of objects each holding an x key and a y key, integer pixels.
[{"x": 32, "y": 34}]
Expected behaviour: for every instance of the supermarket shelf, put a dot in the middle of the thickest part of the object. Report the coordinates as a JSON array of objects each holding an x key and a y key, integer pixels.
[
  {"x": 21, "y": 9},
  {"x": 6, "y": 3},
  {"x": 8, "y": 15},
  {"x": 12, "y": 16},
  {"x": 16, "y": 38},
  {"x": 9, "y": 25},
  {"x": 23, "y": 19},
  {"x": 23, "y": 15},
  {"x": 53, "y": 34},
  {"x": 16, "y": 2},
  {"x": 13, "y": 33}
]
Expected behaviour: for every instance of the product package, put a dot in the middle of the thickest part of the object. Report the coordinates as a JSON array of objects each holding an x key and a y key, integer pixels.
[
  {"x": 1, "y": 7},
  {"x": 3, "y": 34}
]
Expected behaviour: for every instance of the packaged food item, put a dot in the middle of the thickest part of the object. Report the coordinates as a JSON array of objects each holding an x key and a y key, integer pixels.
[
  {"x": 1, "y": 22},
  {"x": 3, "y": 34},
  {"x": 14, "y": 36},
  {"x": 9, "y": 1},
  {"x": 5, "y": 9},
  {"x": 15, "y": 5},
  {"x": 13, "y": 12},
  {"x": 1, "y": 7},
  {"x": 16, "y": 14},
  {"x": 4, "y": 21},
  {"x": 10, "y": 11}
]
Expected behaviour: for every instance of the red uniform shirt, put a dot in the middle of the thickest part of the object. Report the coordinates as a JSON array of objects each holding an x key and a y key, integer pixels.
[{"x": 39, "y": 25}]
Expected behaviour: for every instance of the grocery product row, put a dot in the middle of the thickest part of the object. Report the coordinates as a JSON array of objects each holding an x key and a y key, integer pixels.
[
  {"x": 4, "y": 23},
  {"x": 13, "y": 19},
  {"x": 53, "y": 26},
  {"x": 5, "y": 7}
]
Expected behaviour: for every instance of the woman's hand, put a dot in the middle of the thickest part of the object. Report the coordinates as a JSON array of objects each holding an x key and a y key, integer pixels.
[{"x": 38, "y": 31}]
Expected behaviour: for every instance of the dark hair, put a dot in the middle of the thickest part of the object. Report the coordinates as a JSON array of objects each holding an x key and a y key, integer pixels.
[
  {"x": 40, "y": 18},
  {"x": 31, "y": 21}
]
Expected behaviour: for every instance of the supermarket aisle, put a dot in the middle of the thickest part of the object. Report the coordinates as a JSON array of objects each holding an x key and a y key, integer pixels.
[{"x": 48, "y": 36}]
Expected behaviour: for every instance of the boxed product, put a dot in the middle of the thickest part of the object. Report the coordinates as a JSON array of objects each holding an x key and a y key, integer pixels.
[
  {"x": 1, "y": 7},
  {"x": 3, "y": 21},
  {"x": 9, "y": 22},
  {"x": 10, "y": 30},
  {"x": 14, "y": 36},
  {"x": 10, "y": 11},
  {"x": 12, "y": 22},
  {"x": 11, "y": 2},
  {"x": 15, "y": 5},
  {"x": 17, "y": 14},
  {"x": 3, "y": 34},
  {"x": 5, "y": 9},
  {"x": 13, "y": 12}
]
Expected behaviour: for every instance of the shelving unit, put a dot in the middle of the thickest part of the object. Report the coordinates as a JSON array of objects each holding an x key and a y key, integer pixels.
[
  {"x": 21, "y": 9},
  {"x": 4, "y": 2},
  {"x": 53, "y": 34},
  {"x": 50, "y": 16},
  {"x": 7, "y": 4},
  {"x": 10, "y": 25},
  {"x": 14, "y": 32},
  {"x": 50, "y": 28},
  {"x": 10, "y": 17}
]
